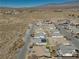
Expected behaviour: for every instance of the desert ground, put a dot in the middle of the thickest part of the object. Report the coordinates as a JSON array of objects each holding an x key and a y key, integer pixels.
[{"x": 14, "y": 24}]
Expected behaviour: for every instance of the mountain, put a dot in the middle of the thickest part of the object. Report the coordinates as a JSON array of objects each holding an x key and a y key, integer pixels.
[{"x": 70, "y": 4}]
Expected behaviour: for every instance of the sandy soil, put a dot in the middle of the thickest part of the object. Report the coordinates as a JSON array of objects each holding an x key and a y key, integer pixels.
[{"x": 14, "y": 23}]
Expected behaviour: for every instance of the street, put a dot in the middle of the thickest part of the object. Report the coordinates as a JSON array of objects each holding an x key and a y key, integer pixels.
[{"x": 24, "y": 50}]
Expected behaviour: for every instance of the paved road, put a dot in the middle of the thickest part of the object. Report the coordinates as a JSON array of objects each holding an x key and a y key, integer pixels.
[
  {"x": 68, "y": 35},
  {"x": 24, "y": 50}
]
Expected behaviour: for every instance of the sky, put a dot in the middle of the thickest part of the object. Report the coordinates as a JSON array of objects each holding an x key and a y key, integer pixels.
[{"x": 28, "y": 3}]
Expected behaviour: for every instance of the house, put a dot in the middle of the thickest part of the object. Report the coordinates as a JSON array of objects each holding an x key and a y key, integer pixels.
[
  {"x": 40, "y": 39},
  {"x": 56, "y": 37},
  {"x": 57, "y": 34},
  {"x": 65, "y": 51}
]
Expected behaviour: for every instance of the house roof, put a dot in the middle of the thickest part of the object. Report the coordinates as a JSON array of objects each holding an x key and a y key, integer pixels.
[
  {"x": 66, "y": 49},
  {"x": 57, "y": 33},
  {"x": 40, "y": 34},
  {"x": 39, "y": 37}
]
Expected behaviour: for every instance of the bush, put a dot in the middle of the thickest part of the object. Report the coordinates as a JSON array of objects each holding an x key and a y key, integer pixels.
[
  {"x": 78, "y": 16},
  {"x": 73, "y": 15}
]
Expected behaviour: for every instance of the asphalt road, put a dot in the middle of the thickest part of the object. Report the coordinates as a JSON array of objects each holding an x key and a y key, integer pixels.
[
  {"x": 24, "y": 50},
  {"x": 68, "y": 35}
]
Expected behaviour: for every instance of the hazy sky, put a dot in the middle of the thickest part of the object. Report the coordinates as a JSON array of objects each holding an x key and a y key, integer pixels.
[{"x": 27, "y": 3}]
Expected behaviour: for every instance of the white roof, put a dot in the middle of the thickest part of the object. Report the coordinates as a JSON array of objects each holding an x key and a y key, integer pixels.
[
  {"x": 67, "y": 54},
  {"x": 66, "y": 50}
]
